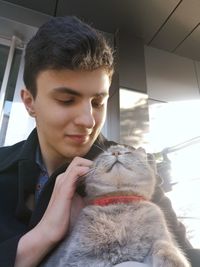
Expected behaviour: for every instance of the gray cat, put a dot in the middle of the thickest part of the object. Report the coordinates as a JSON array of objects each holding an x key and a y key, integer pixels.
[{"x": 120, "y": 223}]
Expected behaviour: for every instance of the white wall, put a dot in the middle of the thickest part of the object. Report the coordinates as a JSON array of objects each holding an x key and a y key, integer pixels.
[
  {"x": 173, "y": 90},
  {"x": 170, "y": 77}
]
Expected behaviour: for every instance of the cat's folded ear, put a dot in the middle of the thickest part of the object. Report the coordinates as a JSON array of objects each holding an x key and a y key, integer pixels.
[{"x": 141, "y": 150}]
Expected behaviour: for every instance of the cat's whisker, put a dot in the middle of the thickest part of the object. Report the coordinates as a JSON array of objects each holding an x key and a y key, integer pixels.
[
  {"x": 151, "y": 161},
  {"x": 84, "y": 175},
  {"x": 162, "y": 167}
]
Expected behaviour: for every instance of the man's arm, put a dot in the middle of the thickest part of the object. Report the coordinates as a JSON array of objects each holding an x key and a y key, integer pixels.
[
  {"x": 33, "y": 247},
  {"x": 36, "y": 244}
]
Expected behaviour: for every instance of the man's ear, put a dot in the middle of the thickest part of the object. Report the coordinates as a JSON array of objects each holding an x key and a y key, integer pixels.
[{"x": 28, "y": 101}]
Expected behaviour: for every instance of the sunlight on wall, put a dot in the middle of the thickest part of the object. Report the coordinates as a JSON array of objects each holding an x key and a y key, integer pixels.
[
  {"x": 134, "y": 118},
  {"x": 173, "y": 123},
  {"x": 131, "y": 99}
]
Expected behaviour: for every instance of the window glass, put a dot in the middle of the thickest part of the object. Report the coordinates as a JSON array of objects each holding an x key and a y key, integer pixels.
[
  {"x": 4, "y": 50},
  {"x": 175, "y": 140}
]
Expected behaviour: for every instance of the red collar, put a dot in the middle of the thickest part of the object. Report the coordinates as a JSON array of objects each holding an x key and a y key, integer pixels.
[{"x": 107, "y": 200}]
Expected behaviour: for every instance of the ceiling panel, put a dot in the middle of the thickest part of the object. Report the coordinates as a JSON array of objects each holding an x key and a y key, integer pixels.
[
  {"x": 170, "y": 25},
  {"x": 43, "y": 6},
  {"x": 191, "y": 46},
  {"x": 141, "y": 18},
  {"x": 144, "y": 18},
  {"x": 184, "y": 19},
  {"x": 102, "y": 14},
  {"x": 15, "y": 19}
]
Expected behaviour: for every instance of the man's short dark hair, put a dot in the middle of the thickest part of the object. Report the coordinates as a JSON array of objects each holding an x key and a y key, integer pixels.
[{"x": 65, "y": 43}]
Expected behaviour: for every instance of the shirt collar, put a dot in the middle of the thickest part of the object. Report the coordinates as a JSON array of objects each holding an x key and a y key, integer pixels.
[{"x": 39, "y": 160}]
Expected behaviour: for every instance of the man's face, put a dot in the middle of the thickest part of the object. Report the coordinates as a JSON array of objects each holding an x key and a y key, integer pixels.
[{"x": 70, "y": 110}]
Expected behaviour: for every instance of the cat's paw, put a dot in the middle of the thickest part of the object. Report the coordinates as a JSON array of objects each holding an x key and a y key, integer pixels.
[
  {"x": 172, "y": 261},
  {"x": 168, "y": 256}
]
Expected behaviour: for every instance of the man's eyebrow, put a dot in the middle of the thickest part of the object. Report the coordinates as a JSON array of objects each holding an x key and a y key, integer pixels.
[{"x": 66, "y": 90}]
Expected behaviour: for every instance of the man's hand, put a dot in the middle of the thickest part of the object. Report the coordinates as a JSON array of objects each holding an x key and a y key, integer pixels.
[{"x": 55, "y": 221}]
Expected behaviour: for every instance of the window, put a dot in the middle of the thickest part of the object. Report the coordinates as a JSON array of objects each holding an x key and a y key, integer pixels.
[
  {"x": 175, "y": 131},
  {"x": 10, "y": 58}
]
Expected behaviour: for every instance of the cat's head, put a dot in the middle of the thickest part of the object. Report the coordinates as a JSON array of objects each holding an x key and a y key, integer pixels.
[{"x": 122, "y": 168}]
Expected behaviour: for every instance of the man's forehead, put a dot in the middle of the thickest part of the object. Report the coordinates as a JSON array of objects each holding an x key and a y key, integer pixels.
[
  {"x": 74, "y": 82},
  {"x": 75, "y": 92}
]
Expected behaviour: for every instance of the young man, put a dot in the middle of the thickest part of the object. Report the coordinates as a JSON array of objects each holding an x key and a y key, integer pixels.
[{"x": 67, "y": 74}]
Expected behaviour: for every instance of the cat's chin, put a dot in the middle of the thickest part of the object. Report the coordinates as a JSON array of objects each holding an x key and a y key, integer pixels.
[
  {"x": 108, "y": 190},
  {"x": 117, "y": 167}
]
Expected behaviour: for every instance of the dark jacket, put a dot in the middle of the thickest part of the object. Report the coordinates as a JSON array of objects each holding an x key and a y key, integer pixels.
[{"x": 18, "y": 176}]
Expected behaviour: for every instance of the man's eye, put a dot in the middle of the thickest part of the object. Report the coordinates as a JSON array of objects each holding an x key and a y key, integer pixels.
[
  {"x": 96, "y": 104},
  {"x": 66, "y": 101}
]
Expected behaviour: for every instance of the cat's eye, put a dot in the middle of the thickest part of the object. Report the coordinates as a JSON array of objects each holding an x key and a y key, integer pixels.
[{"x": 127, "y": 152}]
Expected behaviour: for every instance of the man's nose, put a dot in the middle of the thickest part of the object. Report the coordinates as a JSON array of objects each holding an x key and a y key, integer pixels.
[{"x": 85, "y": 116}]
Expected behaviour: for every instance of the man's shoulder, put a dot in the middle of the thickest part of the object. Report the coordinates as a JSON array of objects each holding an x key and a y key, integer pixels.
[
  {"x": 6, "y": 150},
  {"x": 23, "y": 150},
  {"x": 10, "y": 154}
]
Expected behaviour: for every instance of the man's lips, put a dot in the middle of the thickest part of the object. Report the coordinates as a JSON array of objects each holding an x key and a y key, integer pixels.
[{"x": 78, "y": 138}]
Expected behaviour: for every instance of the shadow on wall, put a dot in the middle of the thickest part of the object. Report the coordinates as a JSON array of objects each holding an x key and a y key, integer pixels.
[{"x": 134, "y": 120}]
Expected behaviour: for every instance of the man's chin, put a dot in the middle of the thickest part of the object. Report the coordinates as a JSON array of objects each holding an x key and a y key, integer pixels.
[{"x": 79, "y": 150}]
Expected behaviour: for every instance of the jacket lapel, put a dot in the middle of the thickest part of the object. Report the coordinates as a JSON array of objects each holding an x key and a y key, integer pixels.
[{"x": 28, "y": 172}]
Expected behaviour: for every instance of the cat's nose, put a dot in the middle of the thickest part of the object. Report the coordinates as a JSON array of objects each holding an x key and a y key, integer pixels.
[{"x": 116, "y": 153}]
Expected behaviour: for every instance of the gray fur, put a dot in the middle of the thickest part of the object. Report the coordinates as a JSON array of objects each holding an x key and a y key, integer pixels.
[{"x": 107, "y": 235}]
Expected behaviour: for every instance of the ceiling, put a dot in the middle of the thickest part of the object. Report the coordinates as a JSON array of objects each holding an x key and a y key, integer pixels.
[{"x": 172, "y": 25}]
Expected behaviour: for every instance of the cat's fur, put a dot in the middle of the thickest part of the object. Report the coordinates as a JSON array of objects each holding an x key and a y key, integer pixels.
[{"x": 107, "y": 235}]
